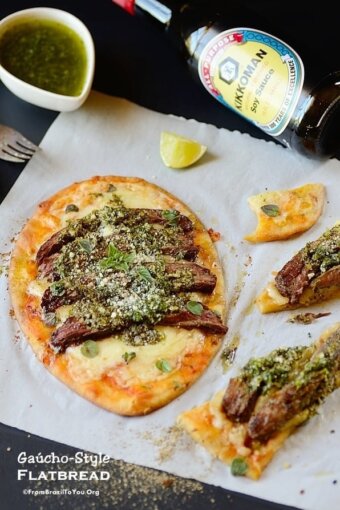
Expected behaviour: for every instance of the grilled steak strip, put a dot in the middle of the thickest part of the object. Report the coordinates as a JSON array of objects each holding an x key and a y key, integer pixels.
[
  {"x": 316, "y": 259},
  {"x": 50, "y": 302},
  {"x": 54, "y": 245},
  {"x": 311, "y": 386},
  {"x": 185, "y": 319},
  {"x": 330, "y": 278},
  {"x": 47, "y": 266},
  {"x": 282, "y": 407},
  {"x": 202, "y": 280},
  {"x": 239, "y": 400},
  {"x": 74, "y": 332},
  {"x": 292, "y": 280},
  {"x": 86, "y": 225},
  {"x": 185, "y": 249},
  {"x": 157, "y": 216}
]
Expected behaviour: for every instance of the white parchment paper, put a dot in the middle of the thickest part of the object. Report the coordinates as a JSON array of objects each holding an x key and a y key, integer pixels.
[{"x": 112, "y": 136}]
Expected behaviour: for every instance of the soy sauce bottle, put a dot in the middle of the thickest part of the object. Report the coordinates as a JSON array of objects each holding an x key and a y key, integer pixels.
[{"x": 253, "y": 72}]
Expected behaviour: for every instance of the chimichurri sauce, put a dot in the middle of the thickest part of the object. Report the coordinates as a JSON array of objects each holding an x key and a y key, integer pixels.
[{"x": 46, "y": 54}]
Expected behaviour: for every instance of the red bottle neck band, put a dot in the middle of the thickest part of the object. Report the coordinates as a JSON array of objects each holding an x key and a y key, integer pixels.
[{"x": 128, "y": 5}]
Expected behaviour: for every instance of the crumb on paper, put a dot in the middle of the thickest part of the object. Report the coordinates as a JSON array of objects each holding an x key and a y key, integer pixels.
[
  {"x": 166, "y": 442},
  {"x": 232, "y": 249},
  {"x": 214, "y": 235},
  {"x": 4, "y": 263},
  {"x": 238, "y": 288},
  {"x": 229, "y": 352},
  {"x": 307, "y": 318},
  {"x": 127, "y": 483},
  {"x": 248, "y": 261}
]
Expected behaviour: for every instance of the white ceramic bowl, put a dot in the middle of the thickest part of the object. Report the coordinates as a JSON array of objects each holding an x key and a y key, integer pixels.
[{"x": 36, "y": 95}]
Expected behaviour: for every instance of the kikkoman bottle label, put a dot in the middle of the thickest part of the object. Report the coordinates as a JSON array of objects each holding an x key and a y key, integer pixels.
[{"x": 255, "y": 74}]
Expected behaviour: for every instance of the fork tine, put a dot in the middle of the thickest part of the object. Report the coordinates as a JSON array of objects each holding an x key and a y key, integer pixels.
[
  {"x": 19, "y": 147},
  {"x": 7, "y": 157},
  {"x": 11, "y": 151},
  {"x": 26, "y": 143},
  {"x": 14, "y": 146}
]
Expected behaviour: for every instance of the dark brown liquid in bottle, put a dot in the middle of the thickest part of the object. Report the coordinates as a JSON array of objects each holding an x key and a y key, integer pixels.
[{"x": 314, "y": 126}]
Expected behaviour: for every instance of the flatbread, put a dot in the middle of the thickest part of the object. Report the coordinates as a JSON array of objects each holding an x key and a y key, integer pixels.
[
  {"x": 310, "y": 282},
  {"x": 284, "y": 213},
  {"x": 228, "y": 440},
  {"x": 112, "y": 379}
]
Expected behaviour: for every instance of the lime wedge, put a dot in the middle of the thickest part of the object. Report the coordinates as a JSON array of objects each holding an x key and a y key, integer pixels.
[{"x": 179, "y": 152}]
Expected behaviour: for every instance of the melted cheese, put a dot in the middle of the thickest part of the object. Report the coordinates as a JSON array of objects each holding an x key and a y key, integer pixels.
[
  {"x": 142, "y": 368},
  {"x": 37, "y": 287},
  {"x": 215, "y": 407},
  {"x": 275, "y": 295},
  {"x": 142, "y": 200},
  {"x": 270, "y": 300},
  {"x": 109, "y": 360}
]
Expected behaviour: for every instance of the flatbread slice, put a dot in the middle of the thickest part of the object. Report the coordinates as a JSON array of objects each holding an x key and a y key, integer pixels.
[
  {"x": 311, "y": 276},
  {"x": 284, "y": 213},
  {"x": 118, "y": 288},
  {"x": 248, "y": 423}
]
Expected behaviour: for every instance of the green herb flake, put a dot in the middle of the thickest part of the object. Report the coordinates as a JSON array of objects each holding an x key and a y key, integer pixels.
[
  {"x": 227, "y": 356},
  {"x": 86, "y": 245},
  {"x": 111, "y": 188},
  {"x": 50, "y": 319},
  {"x": 239, "y": 467},
  {"x": 57, "y": 289},
  {"x": 128, "y": 356},
  {"x": 194, "y": 307},
  {"x": 163, "y": 365},
  {"x": 171, "y": 216},
  {"x": 117, "y": 259},
  {"x": 145, "y": 274},
  {"x": 71, "y": 208},
  {"x": 89, "y": 349},
  {"x": 271, "y": 210}
]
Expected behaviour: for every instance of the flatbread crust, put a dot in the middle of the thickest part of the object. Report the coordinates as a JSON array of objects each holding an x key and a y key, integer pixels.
[
  {"x": 296, "y": 211},
  {"x": 208, "y": 425},
  {"x": 271, "y": 300},
  {"x": 127, "y": 389}
]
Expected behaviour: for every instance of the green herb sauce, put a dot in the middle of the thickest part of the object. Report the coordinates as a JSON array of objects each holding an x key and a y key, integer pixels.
[
  {"x": 46, "y": 54},
  {"x": 324, "y": 253},
  {"x": 122, "y": 277},
  {"x": 274, "y": 370}
]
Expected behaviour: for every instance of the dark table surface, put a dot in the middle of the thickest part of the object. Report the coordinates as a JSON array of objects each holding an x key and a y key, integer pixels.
[{"x": 134, "y": 60}]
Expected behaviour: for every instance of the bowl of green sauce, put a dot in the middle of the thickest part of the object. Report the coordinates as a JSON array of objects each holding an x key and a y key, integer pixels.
[{"x": 47, "y": 58}]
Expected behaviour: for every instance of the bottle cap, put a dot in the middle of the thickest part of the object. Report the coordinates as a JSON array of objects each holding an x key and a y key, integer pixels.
[{"x": 128, "y": 5}]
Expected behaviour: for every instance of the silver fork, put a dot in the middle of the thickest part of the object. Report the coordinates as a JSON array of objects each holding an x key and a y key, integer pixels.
[{"x": 14, "y": 146}]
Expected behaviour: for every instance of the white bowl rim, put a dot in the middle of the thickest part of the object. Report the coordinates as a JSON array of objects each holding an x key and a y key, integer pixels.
[{"x": 54, "y": 14}]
